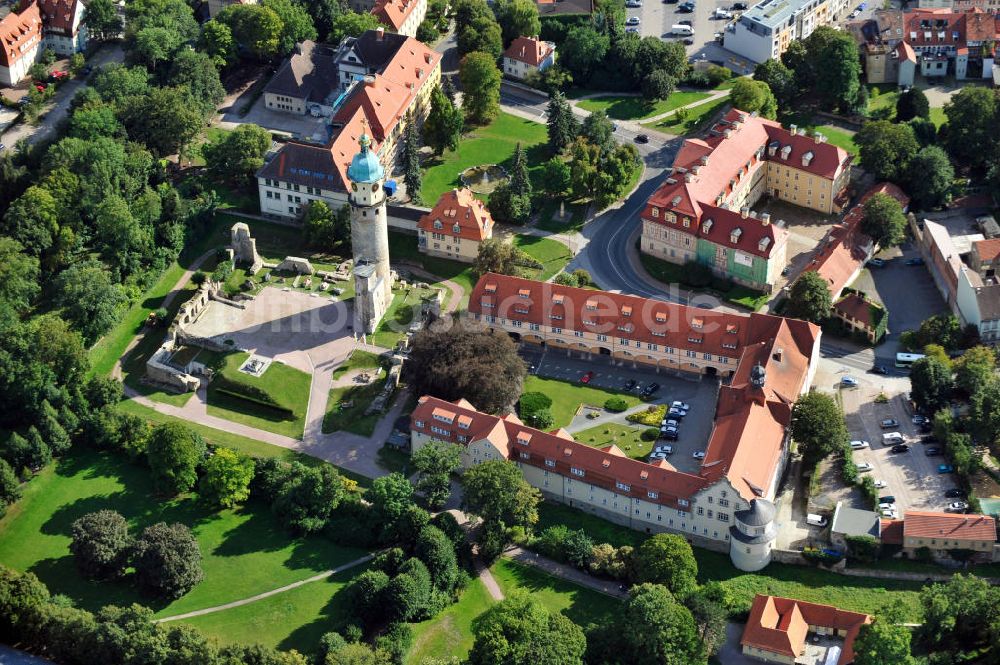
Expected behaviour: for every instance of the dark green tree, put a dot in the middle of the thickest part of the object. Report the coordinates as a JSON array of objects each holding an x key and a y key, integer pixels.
[
  {"x": 520, "y": 183},
  {"x": 583, "y": 50},
  {"x": 239, "y": 154},
  {"x": 754, "y": 96},
  {"x": 556, "y": 177},
  {"x": 818, "y": 427},
  {"x": 882, "y": 642},
  {"x": 779, "y": 78},
  {"x": 887, "y": 149},
  {"x": 911, "y": 104},
  {"x": 226, "y": 481},
  {"x": 352, "y": 24},
  {"x": 165, "y": 120},
  {"x": 195, "y": 71},
  {"x": 390, "y": 496},
  {"x": 255, "y": 27},
  {"x": 174, "y": 452},
  {"x": 960, "y": 617},
  {"x": 443, "y": 126},
  {"x": 435, "y": 462},
  {"x": 408, "y": 594},
  {"x": 930, "y": 177},
  {"x": 517, "y": 18},
  {"x": 411, "y": 159},
  {"x": 810, "y": 298},
  {"x": 884, "y": 220},
  {"x": 306, "y": 496},
  {"x": 296, "y": 24},
  {"x": 931, "y": 384},
  {"x": 102, "y": 20},
  {"x": 102, "y": 544},
  {"x": 562, "y": 126},
  {"x": 29, "y": 452},
  {"x": 496, "y": 492},
  {"x": 167, "y": 560},
  {"x": 218, "y": 43},
  {"x": 481, "y": 87},
  {"x": 835, "y": 54},
  {"x": 89, "y": 299},
  {"x": 971, "y": 130},
  {"x": 10, "y": 486},
  {"x": 668, "y": 559},
  {"x": 710, "y": 616},
  {"x": 18, "y": 276},
  {"x": 520, "y": 631},
  {"x": 598, "y": 129},
  {"x": 975, "y": 369},
  {"x": 657, "y": 85},
  {"x": 438, "y": 553}
]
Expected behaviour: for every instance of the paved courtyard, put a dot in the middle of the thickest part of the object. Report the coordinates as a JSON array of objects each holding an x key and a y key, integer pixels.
[
  {"x": 302, "y": 126},
  {"x": 302, "y": 330}
]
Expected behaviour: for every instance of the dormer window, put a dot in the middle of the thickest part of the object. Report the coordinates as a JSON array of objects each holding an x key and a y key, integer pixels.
[
  {"x": 786, "y": 151},
  {"x": 706, "y": 226},
  {"x": 524, "y": 293},
  {"x": 464, "y": 422},
  {"x": 628, "y": 327},
  {"x": 551, "y": 463},
  {"x": 762, "y": 245},
  {"x": 521, "y": 309},
  {"x": 490, "y": 288},
  {"x": 683, "y": 502},
  {"x": 732, "y": 328},
  {"x": 653, "y": 495},
  {"x": 626, "y": 310},
  {"x": 487, "y": 303},
  {"x": 698, "y": 323},
  {"x": 734, "y": 236},
  {"x": 577, "y": 471},
  {"x": 655, "y": 211},
  {"x": 456, "y": 229},
  {"x": 524, "y": 438},
  {"x": 670, "y": 217},
  {"x": 592, "y": 304},
  {"x": 625, "y": 487},
  {"x": 661, "y": 317},
  {"x": 605, "y": 463},
  {"x": 687, "y": 222},
  {"x": 557, "y": 299},
  {"x": 696, "y": 339},
  {"x": 438, "y": 224}
]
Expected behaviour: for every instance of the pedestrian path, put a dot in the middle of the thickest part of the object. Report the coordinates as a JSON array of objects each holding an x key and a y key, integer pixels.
[{"x": 267, "y": 594}]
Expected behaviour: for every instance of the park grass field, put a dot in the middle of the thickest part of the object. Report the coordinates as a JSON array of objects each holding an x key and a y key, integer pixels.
[
  {"x": 861, "y": 594},
  {"x": 295, "y": 619},
  {"x": 567, "y": 397},
  {"x": 581, "y": 605},
  {"x": 552, "y": 254},
  {"x": 623, "y": 436},
  {"x": 622, "y": 107},
  {"x": 548, "y": 217},
  {"x": 352, "y": 418},
  {"x": 493, "y": 144},
  {"x": 245, "y": 551},
  {"x": 405, "y": 304},
  {"x": 692, "y": 122},
  {"x": 287, "y": 386},
  {"x": 449, "y": 634}
]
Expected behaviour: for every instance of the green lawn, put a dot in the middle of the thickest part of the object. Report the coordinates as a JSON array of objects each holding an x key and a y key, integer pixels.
[
  {"x": 358, "y": 360},
  {"x": 623, "y": 436},
  {"x": 276, "y": 241},
  {"x": 403, "y": 249},
  {"x": 793, "y": 581},
  {"x": 637, "y": 108},
  {"x": 548, "y": 217},
  {"x": 287, "y": 386},
  {"x": 295, "y": 619},
  {"x": 405, "y": 303},
  {"x": 581, "y": 605},
  {"x": 938, "y": 117},
  {"x": 676, "y": 273},
  {"x": 552, "y": 254},
  {"x": 841, "y": 138},
  {"x": 567, "y": 397},
  {"x": 449, "y": 634},
  {"x": 352, "y": 418},
  {"x": 694, "y": 121},
  {"x": 492, "y": 144},
  {"x": 245, "y": 551}
]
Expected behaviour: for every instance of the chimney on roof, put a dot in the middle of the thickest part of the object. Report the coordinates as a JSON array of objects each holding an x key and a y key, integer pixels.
[
  {"x": 727, "y": 132},
  {"x": 379, "y": 33},
  {"x": 428, "y": 57},
  {"x": 744, "y": 211},
  {"x": 765, "y": 218},
  {"x": 793, "y": 128},
  {"x": 420, "y": 72},
  {"x": 777, "y": 354},
  {"x": 704, "y": 160},
  {"x": 688, "y": 177}
]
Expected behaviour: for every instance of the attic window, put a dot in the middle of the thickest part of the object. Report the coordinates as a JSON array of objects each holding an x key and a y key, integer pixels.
[
  {"x": 576, "y": 471},
  {"x": 644, "y": 474},
  {"x": 729, "y": 345},
  {"x": 628, "y": 327},
  {"x": 687, "y": 222},
  {"x": 490, "y": 288},
  {"x": 734, "y": 236},
  {"x": 764, "y": 242},
  {"x": 732, "y": 328},
  {"x": 591, "y": 304},
  {"x": 698, "y": 323},
  {"x": 683, "y": 502},
  {"x": 661, "y": 317},
  {"x": 696, "y": 339},
  {"x": 568, "y": 452},
  {"x": 521, "y": 309},
  {"x": 706, "y": 226},
  {"x": 626, "y": 310},
  {"x": 524, "y": 438},
  {"x": 438, "y": 224},
  {"x": 557, "y": 299},
  {"x": 464, "y": 422},
  {"x": 523, "y": 293},
  {"x": 656, "y": 211},
  {"x": 786, "y": 151},
  {"x": 653, "y": 495},
  {"x": 625, "y": 487},
  {"x": 456, "y": 229},
  {"x": 807, "y": 158}
]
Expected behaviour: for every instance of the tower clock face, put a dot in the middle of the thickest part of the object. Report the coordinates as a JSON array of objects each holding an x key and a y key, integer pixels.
[
  {"x": 374, "y": 188},
  {"x": 354, "y": 186}
]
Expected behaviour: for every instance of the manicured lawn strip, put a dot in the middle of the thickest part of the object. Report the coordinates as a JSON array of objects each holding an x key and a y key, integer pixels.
[
  {"x": 289, "y": 387},
  {"x": 403, "y": 248},
  {"x": 581, "y": 605},
  {"x": 838, "y": 137},
  {"x": 404, "y": 307},
  {"x": 243, "y": 444},
  {"x": 638, "y": 108},
  {"x": 752, "y": 300},
  {"x": 548, "y": 218},
  {"x": 353, "y": 418},
  {"x": 802, "y": 582},
  {"x": 567, "y": 397},
  {"x": 245, "y": 551},
  {"x": 623, "y": 436},
  {"x": 492, "y": 144},
  {"x": 295, "y": 619},
  {"x": 358, "y": 360},
  {"x": 552, "y": 254},
  {"x": 449, "y": 634},
  {"x": 693, "y": 122}
]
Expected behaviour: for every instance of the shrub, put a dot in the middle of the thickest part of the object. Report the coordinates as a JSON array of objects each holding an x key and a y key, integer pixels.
[
  {"x": 717, "y": 74},
  {"x": 862, "y": 548},
  {"x": 650, "y": 434},
  {"x": 534, "y": 401},
  {"x": 167, "y": 560},
  {"x": 652, "y": 416},
  {"x": 816, "y": 555},
  {"x": 566, "y": 279},
  {"x": 616, "y": 404},
  {"x": 552, "y": 542},
  {"x": 101, "y": 544},
  {"x": 541, "y": 419}
]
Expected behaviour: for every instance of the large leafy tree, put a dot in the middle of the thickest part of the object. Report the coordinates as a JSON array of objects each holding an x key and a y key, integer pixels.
[
  {"x": 975, "y": 369},
  {"x": 390, "y": 497},
  {"x": 10, "y": 486},
  {"x": 519, "y": 631},
  {"x": 239, "y": 153},
  {"x": 481, "y": 86},
  {"x": 750, "y": 95},
  {"x": 583, "y": 50},
  {"x": 435, "y": 462},
  {"x": 323, "y": 227},
  {"x": 886, "y": 148},
  {"x": 305, "y": 496},
  {"x": 973, "y": 113},
  {"x": 437, "y": 552},
  {"x": 668, "y": 559},
  {"x": 884, "y": 220},
  {"x": 102, "y": 20},
  {"x": 562, "y": 126},
  {"x": 476, "y": 28},
  {"x": 257, "y": 27},
  {"x": 165, "y": 120},
  {"x": 779, "y": 78},
  {"x": 497, "y": 492},
  {"x": 226, "y": 481},
  {"x": 32, "y": 220},
  {"x": 352, "y": 24},
  {"x": 443, "y": 126},
  {"x": 960, "y": 617},
  {"x": 218, "y": 43},
  {"x": 882, "y": 642},
  {"x": 101, "y": 544},
  {"x": 930, "y": 177},
  {"x": 89, "y": 299},
  {"x": 196, "y": 71},
  {"x": 296, "y": 24},
  {"x": 818, "y": 426},
  {"x": 517, "y": 18},
  {"x": 482, "y": 367},
  {"x": 810, "y": 298},
  {"x": 911, "y": 104},
  {"x": 834, "y": 55},
  {"x": 167, "y": 560},
  {"x": 174, "y": 453},
  {"x": 556, "y": 177},
  {"x": 931, "y": 384},
  {"x": 18, "y": 276}
]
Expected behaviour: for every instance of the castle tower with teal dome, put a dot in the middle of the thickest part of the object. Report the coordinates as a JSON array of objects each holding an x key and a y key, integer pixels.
[{"x": 369, "y": 239}]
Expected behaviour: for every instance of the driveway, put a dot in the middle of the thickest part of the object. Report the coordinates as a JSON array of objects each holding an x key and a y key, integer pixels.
[
  {"x": 304, "y": 126},
  {"x": 731, "y": 652},
  {"x": 58, "y": 110}
]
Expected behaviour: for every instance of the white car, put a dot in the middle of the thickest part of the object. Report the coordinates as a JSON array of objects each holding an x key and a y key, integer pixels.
[
  {"x": 633, "y": 3},
  {"x": 864, "y": 467},
  {"x": 879, "y": 484},
  {"x": 723, "y": 13},
  {"x": 680, "y": 405},
  {"x": 957, "y": 507},
  {"x": 889, "y": 513},
  {"x": 657, "y": 456},
  {"x": 858, "y": 444},
  {"x": 633, "y": 20},
  {"x": 666, "y": 450},
  {"x": 698, "y": 455}
]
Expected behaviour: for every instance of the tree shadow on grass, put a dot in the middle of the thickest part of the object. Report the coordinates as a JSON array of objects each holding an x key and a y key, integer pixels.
[
  {"x": 586, "y": 606},
  {"x": 60, "y": 574},
  {"x": 334, "y": 616}
]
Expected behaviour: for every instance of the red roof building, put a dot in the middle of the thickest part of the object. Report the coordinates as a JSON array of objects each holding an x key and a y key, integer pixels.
[
  {"x": 779, "y": 626},
  {"x": 703, "y": 213},
  {"x": 402, "y": 16},
  {"x": 947, "y": 531},
  {"x": 20, "y": 38},
  {"x": 526, "y": 55},
  {"x": 455, "y": 226}
]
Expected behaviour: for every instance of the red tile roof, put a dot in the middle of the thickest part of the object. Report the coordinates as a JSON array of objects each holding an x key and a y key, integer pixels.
[
  {"x": 16, "y": 31},
  {"x": 57, "y": 15},
  {"x": 394, "y": 12},
  {"x": 988, "y": 250},
  {"x": 748, "y": 435},
  {"x": 705, "y": 172},
  {"x": 921, "y": 524},
  {"x": 529, "y": 50},
  {"x": 460, "y": 215},
  {"x": 891, "y": 532},
  {"x": 780, "y": 625},
  {"x": 934, "y": 27},
  {"x": 855, "y": 307}
]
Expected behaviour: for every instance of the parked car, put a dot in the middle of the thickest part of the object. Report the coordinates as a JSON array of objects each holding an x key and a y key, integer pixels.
[
  {"x": 670, "y": 2},
  {"x": 739, "y": 6},
  {"x": 722, "y": 13},
  {"x": 633, "y": 3},
  {"x": 656, "y": 456},
  {"x": 889, "y": 513},
  {"x": 676, "y": 413},
  {"x": 686, "y": 22},
  {"x": 680, "y": 405},
  {"x": 642, "y": 138},
  {"x": 887, "y": 499},
  {"x": 880, "y": 369},
  {"x": 876, "y": 263},
  {"x": 858, "y": 444},
  {"x": 587, "y": 377},
  {"x": 889, "y": 423},
  {"x": 957, "y": 507},
  {"x": 667, "y": 450},
  {"x": 685, "y": 8},
  {"x": 879, "y": 483},
  {"x": 930, "y": 438},
  {"x": 632, "y": 31},
  {"x": 849, "y": 382},
  {"x": 698, "y": 454},
  {"x": 892, "y": 438},
  {"x": 670, "y": 422},
  {"x": 650, "y": 389},
  {"x": 633, "y": 20},
  {"x": 946, "y": 468},
  {"x": 926, "y": 427},
  {"x": 865, "y": 467},
  {"x": 887, "y": 505},
  {"x": 900, "y": 448},
  {"x": 915, "y": 261},
  {"x": 954, "y": 493},
  {"x": 932, "y": 451},
  {"x": 918, "y": 419},
  {"x": 816, "y": 520},
  {"x": 688, "y": 41},
  {"x": 669, "y": 433},
  {"x": 630, "y": 384}
]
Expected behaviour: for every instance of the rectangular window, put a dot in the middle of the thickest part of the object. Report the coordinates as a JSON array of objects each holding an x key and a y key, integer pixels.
[
  {"x": 623, "y": 486},
  {"x": 652, "y": 495},
  {"x": 577, "y": 472},
  {"x": 722, "y": 517},
  {"x": 525, "y": 455},
  {"x": 550, "y": 462}
]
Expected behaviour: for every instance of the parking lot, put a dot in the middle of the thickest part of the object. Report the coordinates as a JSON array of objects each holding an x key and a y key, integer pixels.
[
  {"x": 701, "y": 394},
  {"x": 911, "y": 477},
  {"x": 657, "y": 17}
]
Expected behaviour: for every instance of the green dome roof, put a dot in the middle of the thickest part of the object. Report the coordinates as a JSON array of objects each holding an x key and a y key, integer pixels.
[{"x": 365, "y": 167}]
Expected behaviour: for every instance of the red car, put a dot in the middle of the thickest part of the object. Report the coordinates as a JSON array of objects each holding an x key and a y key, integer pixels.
[
  {"x": 58, "y": 74},
  {"x": 587, "y": 377},
  {"x": 40, "y": 88}
]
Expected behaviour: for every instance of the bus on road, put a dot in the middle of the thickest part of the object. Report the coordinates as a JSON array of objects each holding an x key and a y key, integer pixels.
[{"x": 906, "y": 360}]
